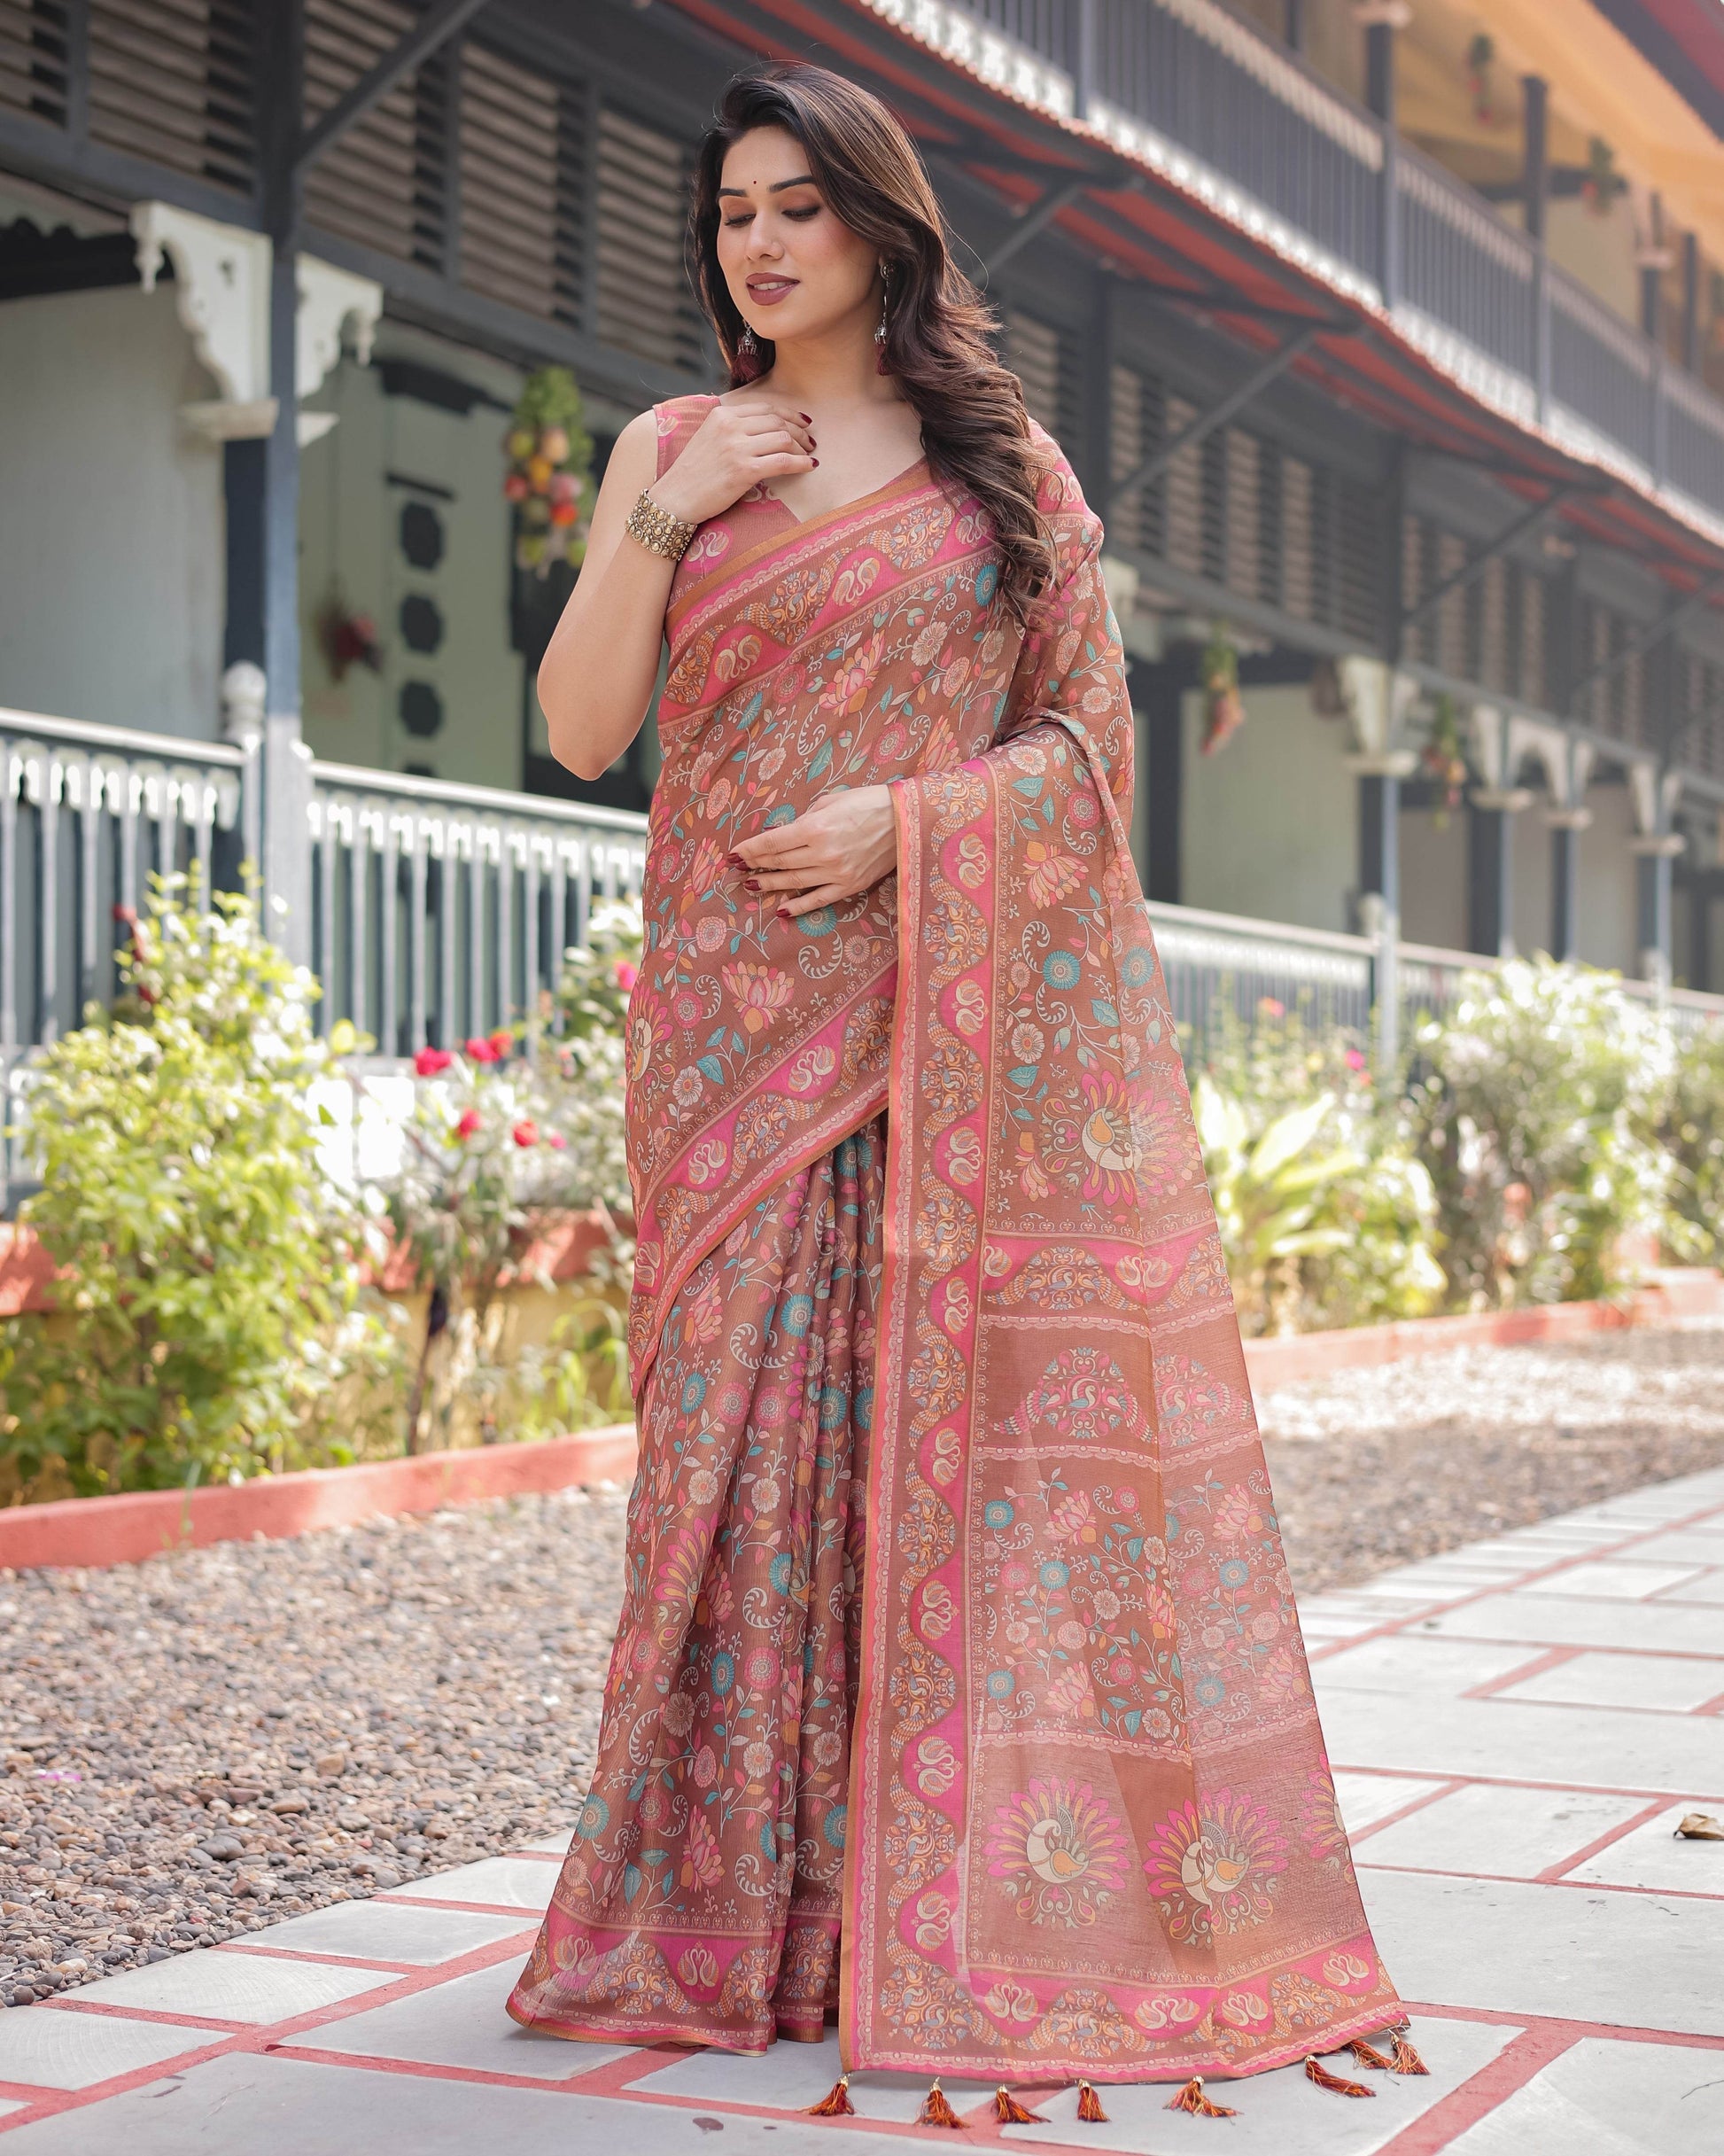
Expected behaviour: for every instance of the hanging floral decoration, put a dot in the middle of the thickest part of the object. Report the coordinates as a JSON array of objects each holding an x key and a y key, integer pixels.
[
  {"x": 1481, "y": 55},
  {"x": 550, "y": 472},
  {"x": 1219, "y": 677},
  {"x": 347, "y": 639},
  {"x": 1444, "y": 758},
  {"x": 1600, "y": 180}
]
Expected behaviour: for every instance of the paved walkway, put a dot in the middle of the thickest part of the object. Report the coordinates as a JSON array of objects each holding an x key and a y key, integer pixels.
[{"x": 1517, "y": 1727}]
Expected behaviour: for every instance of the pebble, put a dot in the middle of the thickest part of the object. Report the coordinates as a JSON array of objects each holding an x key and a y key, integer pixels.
[
  {"x": 1377, "y": 1468},
  {"x": 167, "y": 1729}
]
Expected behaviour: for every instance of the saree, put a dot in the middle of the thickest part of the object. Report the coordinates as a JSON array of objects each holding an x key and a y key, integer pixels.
[{"x": 958, "y": 1689}]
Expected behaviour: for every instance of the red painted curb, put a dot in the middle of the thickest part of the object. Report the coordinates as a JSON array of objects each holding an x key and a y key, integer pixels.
[
  {"x": 119, "y": 1531},
  {"x": 1676, "y": 1292}
]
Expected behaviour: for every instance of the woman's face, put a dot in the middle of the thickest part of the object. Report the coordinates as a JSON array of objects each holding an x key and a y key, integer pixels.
[{"x": 793, "y": 268}]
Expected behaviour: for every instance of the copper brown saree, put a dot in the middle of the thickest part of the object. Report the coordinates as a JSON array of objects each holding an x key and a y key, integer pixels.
[{"x": 958, "y": 1685}]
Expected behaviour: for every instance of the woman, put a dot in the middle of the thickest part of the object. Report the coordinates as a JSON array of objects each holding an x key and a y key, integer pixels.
[{"x": 958, "y": 1687}]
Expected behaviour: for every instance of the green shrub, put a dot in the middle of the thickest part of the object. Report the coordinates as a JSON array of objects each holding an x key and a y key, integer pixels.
[
  {"x": 211, "y": 1309},
  {"x": 1691, "y": 1133},
  {"x": 1326, "y": 1217},
  {"x": 1539, "y": 1117},
  {"x": 499, "y": 1143}
]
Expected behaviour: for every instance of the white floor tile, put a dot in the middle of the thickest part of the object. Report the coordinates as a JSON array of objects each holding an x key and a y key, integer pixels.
[
  {"x": 1675, "y": 1682},
  {"x": 51, "y": 2047},
  {"x": 1707, "y": 1589},
  {"x": 792, "y": 2075},
  {"x": 503, "y": 1882},
  {"x": 1657, "y": 1856},
  {"x": 1404, "y": 1660},
  {"x": 1280, "y": 2113},
  {"x": 462, "y": 2024},
  {"x": 1490, "y": 1829},
  {"x": 389, "y": 1931},
  {"x": 1613, "y": 1579},
  {"x": 1515, "y": 1741},
  {"x": 1607, "y": 1959},
  {"x": 1367, "y": 1798},
  {"x": 1684, "y": 1546},
  {"x": 1648, "y": 1628},
  {"x": 1604, "y": 2098},
  {"x": 234, "y": 1986}
]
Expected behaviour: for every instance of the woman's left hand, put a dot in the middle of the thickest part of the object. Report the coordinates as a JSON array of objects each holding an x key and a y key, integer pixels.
[{"x": 847, "y": 841}]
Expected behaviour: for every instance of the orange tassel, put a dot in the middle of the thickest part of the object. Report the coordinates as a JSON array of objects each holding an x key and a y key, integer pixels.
[
  {"x": 1089, "y": 2105},
  {"x": 1315, "y": 2070},
  {"x": 1367, "y": 2055},
  {"x": 836, "y": 2103},
  {"x": 1192, "y": 2098},
  {"x": 1009, "y": 2111},
  {"x": 936, "y": 2110},
  {"x": 1406, "y": 2059}
]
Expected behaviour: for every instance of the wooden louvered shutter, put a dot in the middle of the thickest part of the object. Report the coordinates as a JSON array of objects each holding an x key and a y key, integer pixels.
[
  {"x": 519, "y": 230},
  {"x": 643, "y": 301},
  {"x": 33, "y": 58},
  {"x": 171, "y": 80},
  {"x": 381, "y": 184}
]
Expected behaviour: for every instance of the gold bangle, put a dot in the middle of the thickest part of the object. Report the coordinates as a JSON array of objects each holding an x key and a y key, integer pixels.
[{"x": 658, "y": 531}]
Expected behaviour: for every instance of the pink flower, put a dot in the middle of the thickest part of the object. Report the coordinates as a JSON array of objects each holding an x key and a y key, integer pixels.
[
  {"x": 1354, "y": 1060},
  {"x": 469, "y": 1124},
  {"x": 525, "y": 1134},
  {"x": 479, "y": 1051},
  {"x": 558, "y": 1142},
  {"x": 1268, "y": 1007},
  {"x": 626, "y": 975},
  {"x": 429, "y": 1062}
]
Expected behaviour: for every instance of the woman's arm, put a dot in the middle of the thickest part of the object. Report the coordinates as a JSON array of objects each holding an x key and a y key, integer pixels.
[
  {"x": 596, "y": 677},
  {"x": 594, "y": 687}
]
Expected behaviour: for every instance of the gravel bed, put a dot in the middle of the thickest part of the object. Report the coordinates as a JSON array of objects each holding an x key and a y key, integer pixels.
[
  {"x": 197, "y": 1747},
  {"x": 1375, "y": 1467}
]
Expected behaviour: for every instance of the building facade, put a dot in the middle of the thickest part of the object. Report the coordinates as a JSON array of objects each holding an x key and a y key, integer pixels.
[{"x": 1386, "y": 338}]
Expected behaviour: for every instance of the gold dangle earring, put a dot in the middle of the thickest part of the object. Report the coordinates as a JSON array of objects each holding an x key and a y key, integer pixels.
[{"x": 879, "y": 332}]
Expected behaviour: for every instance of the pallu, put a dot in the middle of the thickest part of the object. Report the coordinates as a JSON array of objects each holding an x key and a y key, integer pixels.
[{"x": 958, "y": 1688}]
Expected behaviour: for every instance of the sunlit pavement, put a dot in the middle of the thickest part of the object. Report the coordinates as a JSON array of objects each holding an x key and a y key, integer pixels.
[{"x": 1517, "y": 1727}]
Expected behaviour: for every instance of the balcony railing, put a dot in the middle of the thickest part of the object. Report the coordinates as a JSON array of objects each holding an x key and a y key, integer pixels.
[
  {"x": 439, "y": 911},
  {"x": 1230, "y": 115}
]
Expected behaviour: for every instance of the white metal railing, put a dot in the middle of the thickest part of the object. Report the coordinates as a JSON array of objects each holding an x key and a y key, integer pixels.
[{"x": 441, "y": 910}]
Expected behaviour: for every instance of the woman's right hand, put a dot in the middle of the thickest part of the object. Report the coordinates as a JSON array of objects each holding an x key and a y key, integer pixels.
[{"x": 734, "y": 448}]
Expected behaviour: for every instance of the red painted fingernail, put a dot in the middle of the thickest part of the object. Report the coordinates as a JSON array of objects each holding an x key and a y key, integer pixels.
[
  {"x": 805, "y": 416},
  {"x": 813, "y": 460},
  {"x": 751, "y": 883},
  {"x": 784, "y": 914}
]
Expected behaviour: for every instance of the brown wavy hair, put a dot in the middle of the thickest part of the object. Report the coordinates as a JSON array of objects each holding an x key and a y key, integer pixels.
[{"x": 976, "y": 432}]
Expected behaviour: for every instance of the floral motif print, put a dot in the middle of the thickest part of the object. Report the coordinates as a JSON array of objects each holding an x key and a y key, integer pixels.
[
  {"x": 707, "y": 1855},
  {"x": 1039, "y": 1744}
]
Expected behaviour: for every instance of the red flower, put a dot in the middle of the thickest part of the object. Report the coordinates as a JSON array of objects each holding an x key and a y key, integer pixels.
[
  {"x": 525, "y": 1134},
  {"x": 501, "y": 1041},
  {"x": 429, "y": 1062},
  {"x": 480, "y": 1051},
  {"x": 469, "y": 1124}
]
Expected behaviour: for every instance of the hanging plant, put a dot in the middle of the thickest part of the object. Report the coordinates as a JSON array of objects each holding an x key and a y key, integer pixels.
[
  {"x": 347, "y": 639},
  {"x": 1444, "y": 758},
  {"x": 550, "y": 472},
  {"x": 1218, "y": 676},
  {"x": 1600, "y": 180},
  {"x": 1481, "y": 54}
]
